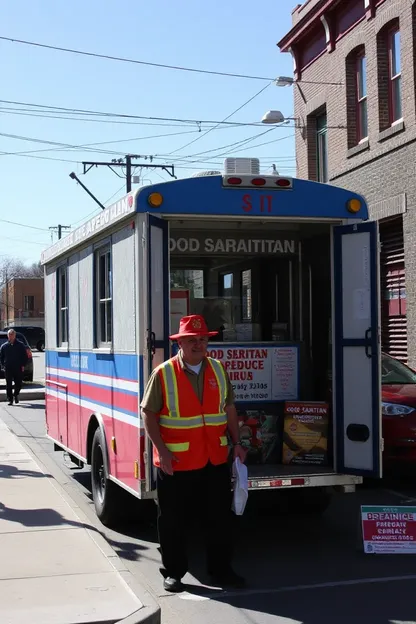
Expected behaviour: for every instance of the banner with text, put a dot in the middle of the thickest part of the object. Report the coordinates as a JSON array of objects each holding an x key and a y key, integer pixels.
[
  {"x": 259, "y": 372},
  {"x": 305, "y": 433},
  {"x": 389, "y": 530},
  {"x": 253, "y": 243}
]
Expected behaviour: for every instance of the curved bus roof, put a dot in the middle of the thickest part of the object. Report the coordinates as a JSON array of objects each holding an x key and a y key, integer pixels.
[{"x": 216, "y": 196}]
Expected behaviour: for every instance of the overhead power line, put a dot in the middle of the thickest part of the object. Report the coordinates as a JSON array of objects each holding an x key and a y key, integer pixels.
[
  {"x": 19, "y": 240},
  {"x": 80, "y": 111},
  {"x": 25, "y": 225},
  {"x": 87, "y": 146},
  {"x": 134, "y": 61},
  {"x": 201, "y": 136}
]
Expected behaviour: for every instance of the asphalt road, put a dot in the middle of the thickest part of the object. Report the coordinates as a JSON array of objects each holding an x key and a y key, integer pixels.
[{"x": 300, "y": 569}]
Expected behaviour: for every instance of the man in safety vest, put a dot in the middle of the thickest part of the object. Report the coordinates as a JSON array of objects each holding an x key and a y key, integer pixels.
[{"x": 188, "y": 410}]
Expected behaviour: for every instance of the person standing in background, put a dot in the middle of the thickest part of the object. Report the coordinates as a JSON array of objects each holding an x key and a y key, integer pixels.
[{"x": 13, "y": 358}]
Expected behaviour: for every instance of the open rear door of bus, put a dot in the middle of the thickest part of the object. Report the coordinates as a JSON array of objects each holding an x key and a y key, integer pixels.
[
  {"x": 157, "y": 291},
  {"x": 356, "y": 339},
  {"x": 157, "y": 307}
]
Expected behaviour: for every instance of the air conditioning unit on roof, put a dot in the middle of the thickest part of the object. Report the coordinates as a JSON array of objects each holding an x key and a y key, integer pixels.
[
  {"x": 201, "y": 174},
  {"x": 241, "y": 165}
]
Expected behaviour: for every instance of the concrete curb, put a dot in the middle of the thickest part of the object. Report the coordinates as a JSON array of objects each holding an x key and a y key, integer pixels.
[
  {"x": 35, "y": 392},
  {"x": 150, "y": 612}
]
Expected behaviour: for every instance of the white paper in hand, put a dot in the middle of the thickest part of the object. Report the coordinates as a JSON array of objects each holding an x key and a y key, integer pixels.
[{"x": 240, "y": 474}]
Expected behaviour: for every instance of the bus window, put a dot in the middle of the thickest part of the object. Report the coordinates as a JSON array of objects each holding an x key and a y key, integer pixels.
[
  {"x": 227, "y": 285},
  {"x": 188, "y": 279}
]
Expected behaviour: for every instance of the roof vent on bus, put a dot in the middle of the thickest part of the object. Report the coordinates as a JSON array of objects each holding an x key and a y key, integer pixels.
[
  {"x": 200, "y": 174},
  {"x": 241, "y": 165}
]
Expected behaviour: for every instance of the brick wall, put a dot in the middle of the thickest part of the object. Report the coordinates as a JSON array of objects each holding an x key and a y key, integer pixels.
[
  {"x": 384, "y": 168},
  {"x": 17, "y": 290}
]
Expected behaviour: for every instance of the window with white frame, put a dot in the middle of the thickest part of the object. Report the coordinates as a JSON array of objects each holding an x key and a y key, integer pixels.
[
  {"x": 62, "y": 305},
  {"x": 103, "y": 297}
]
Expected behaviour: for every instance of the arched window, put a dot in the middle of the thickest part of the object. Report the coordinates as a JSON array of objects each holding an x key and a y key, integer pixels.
[
  {"x": 356, "y": 83},
  {"x": 389, "y": 75}
]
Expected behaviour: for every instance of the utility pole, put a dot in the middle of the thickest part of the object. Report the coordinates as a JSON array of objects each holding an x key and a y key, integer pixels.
[
  {"x": 7, "y": 298},
  {"x": 129, "y": 165},
  {"x": 59, "y": 229},
  {"x": 128, "y": 173}
]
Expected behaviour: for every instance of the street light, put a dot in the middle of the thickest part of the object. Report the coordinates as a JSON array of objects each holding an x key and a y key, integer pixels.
[
  {"x": 273, "y": 117},
  {"x": 284, "y": 81},
  {"x": 287, "y": 81}
]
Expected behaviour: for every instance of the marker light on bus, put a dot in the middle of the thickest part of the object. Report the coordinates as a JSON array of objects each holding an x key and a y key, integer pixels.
[
  {"x": 265, "y": 181},
  {"x": 354, "y": 205},
  {"x": 283, "y": 182},
  {"x": 155, "y": 200}
]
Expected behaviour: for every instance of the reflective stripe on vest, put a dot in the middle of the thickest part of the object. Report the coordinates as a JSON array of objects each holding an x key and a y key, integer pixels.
[
  {"x": 171, "y": 386},
  {"x": 177, "y": 447},
  {"x": 174, "y": 421},
  {"x": 221, "y": 381}
]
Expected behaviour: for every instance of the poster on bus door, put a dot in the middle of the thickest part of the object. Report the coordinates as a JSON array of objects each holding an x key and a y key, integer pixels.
[
  {"x": 389, "y": 530},
  {"x": 260, "y": 372}
]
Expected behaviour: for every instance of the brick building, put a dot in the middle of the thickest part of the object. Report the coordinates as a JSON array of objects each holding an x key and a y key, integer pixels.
[
  {"x": 360, "y": 132},
  {"x": 22, "y": 302}
]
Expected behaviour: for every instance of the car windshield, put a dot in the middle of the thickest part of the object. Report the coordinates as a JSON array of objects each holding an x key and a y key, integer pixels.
[{"x": 394, "y": 372}]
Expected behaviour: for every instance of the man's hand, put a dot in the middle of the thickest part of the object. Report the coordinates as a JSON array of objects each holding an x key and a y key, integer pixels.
[
  {"x": 240, "y": 452},
  {"x": 166, "y": 461}
]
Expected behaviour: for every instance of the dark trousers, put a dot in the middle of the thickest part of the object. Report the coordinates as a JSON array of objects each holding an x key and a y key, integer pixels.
[
  {"x": 15, "y": 375},
  {"x": 197, "y": 496}
]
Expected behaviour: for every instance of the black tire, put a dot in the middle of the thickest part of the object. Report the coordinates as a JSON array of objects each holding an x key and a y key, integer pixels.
[
  {"x": 105, "y": 493},
  {"x": 40, "y": 345}
]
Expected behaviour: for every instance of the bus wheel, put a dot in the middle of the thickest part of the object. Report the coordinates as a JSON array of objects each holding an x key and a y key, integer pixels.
[{"x": 105, "y": 493}]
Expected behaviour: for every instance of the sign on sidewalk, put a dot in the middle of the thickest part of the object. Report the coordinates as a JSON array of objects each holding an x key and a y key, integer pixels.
[{"x": 389, "y": 530}]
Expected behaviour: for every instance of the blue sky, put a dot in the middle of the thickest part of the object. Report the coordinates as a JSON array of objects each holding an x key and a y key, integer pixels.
[{"x": 232, "y": 36}]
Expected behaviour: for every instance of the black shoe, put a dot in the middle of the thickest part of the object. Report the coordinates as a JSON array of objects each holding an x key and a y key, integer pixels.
[
  {"x": 173, "y": 585},
  {"x": 228, "y": 579},
  {"x": 16, "y": 400},
  {"x": 10, "y": 401}
]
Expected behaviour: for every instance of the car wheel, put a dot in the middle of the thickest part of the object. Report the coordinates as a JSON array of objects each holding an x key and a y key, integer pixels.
[
  {"x": 40, "y": 345},
  {"x": 105, "y": 493}
]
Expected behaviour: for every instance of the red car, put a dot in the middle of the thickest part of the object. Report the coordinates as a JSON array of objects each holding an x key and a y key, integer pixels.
[{"x": 398, "y": 397}]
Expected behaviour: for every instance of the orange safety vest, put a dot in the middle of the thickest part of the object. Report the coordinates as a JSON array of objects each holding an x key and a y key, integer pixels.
[{"x": 195, "y": 432}]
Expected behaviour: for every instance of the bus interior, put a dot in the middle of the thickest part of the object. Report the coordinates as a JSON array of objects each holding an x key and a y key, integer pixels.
[{"x": 262, "y": 285}]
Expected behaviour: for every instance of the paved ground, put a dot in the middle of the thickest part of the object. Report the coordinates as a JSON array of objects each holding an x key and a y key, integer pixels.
[
  {"x": 38, "y": 365},
  {"x": 299, "y": 569},
  {"x": 56, "y": 569}
]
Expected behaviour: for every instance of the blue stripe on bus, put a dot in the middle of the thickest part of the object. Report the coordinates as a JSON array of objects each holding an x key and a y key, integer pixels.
[{"x": 117, "y": 365}]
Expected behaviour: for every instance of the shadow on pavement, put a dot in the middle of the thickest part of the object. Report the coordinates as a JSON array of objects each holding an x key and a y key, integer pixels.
[
  {"x": 381, "y": 603},
  {"x": 32, "y": 406},
  {"x": 50, "y": 517},
  {"x": 12, "y": 472},
  {"x": 38, "y": 517}
]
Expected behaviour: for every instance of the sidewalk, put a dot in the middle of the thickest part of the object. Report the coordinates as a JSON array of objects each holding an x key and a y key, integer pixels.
[
  {"x": 55, "y": 568},
  {"x": 30, "y": 391}
]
